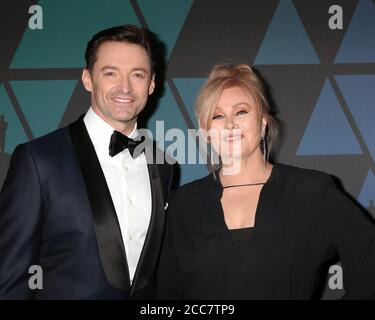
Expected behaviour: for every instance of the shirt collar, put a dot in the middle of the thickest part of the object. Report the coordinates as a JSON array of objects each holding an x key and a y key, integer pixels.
[{"x": 100, "y": 132}]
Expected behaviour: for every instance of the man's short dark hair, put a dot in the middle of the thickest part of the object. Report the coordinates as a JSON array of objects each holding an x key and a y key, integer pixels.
[{"x": 125, "y": 33}]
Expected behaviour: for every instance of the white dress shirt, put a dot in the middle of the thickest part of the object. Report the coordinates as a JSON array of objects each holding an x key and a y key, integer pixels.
[{"x": 129, "y": 184}]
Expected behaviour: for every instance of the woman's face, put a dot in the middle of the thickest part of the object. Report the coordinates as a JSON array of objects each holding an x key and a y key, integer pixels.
[{"x": 236, "y": 127}]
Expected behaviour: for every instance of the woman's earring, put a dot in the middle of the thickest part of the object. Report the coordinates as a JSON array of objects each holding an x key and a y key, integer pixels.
[{"x": 263, "y": 142}]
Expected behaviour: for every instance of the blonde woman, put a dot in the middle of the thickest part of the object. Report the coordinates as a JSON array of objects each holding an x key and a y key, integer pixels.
[{"x": 263, "y": 231}]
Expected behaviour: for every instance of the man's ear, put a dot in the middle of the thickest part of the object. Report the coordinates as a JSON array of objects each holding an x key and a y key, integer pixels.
[
  {"x": 152, "y": 85},
  {"x": 86, "y": 80}
]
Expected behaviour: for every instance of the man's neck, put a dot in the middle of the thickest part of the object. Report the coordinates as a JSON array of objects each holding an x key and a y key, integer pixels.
[{"x": 126, "y": 127}]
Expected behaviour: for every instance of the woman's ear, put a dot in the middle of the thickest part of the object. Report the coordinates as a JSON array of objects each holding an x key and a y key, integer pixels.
[{"x": 264, "y": 126}]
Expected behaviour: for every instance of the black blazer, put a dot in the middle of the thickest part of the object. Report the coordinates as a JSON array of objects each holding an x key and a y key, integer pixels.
[
  {"x": 56, "y": 211},
  {"x": 302, "y": 223}
]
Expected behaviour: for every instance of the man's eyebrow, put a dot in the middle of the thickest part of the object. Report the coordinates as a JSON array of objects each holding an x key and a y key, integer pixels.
[
  {"x": 140, "y": 69},
  {"x": 108, "y": 67},
  {"x": 116, "y": 68}
]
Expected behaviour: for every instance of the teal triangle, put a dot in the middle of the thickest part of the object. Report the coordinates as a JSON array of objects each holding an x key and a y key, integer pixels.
[
  {"x": 359, "y": 94},
  {"x": 358, "y": 45},
  {"x": 188, "y": 89},
  {"x": 328, "y": 131},
  {"x": 286, "y": 41},
  {"x": 68, "y": 26},
  {"x": 43, "y": 102},
  {"x": 14, "y": 134},
  {"x": 166, "y": 18},
  {"x": 367, "y": 195},
  {"x": 170, "y": 118}
]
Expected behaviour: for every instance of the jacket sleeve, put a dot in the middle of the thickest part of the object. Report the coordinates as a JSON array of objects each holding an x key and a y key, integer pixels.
[
  {"x": 20, "y": 225},
  {"x": 353, "y": 233}
]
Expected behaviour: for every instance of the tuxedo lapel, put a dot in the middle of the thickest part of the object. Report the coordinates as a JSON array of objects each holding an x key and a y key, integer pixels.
[
  {"x": 150, "y": 252},
  {"x": 108, "y": 233}
]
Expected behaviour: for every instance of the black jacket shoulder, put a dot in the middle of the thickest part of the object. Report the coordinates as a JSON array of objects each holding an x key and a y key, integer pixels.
[
  {"x": 294, "y": 172},
  {"x": 291, "y": 175},
  {"x": 52, "y": 144}
]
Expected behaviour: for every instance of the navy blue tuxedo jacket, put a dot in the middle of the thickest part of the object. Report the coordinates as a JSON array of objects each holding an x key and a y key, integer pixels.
[{"x": 56, "y": 211}]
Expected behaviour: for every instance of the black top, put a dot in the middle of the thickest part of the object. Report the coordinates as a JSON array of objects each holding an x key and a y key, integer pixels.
[
  {"x": 302, "y": 222},
  {"x": 241, "y": 241}
]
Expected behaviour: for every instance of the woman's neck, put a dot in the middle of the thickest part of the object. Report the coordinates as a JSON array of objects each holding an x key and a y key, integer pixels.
[{"x": 251, "y": 169}]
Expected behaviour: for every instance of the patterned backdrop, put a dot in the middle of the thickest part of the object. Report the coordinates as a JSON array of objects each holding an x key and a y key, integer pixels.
[{"x": 321, "y": 81}]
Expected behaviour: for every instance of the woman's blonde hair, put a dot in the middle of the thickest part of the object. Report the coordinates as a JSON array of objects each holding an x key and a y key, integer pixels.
[{"x": 223, "y": 76}]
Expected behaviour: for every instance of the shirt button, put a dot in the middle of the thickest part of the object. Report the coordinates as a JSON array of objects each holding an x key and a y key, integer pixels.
[
  {"x": 130, "y": 237},
  {"x": 130, "y": 202}
]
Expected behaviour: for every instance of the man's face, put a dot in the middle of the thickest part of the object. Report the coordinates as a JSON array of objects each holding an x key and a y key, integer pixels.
[{"x": 120, "y": 83}]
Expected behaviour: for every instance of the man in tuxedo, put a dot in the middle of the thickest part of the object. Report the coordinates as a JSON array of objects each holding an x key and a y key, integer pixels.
[{"x": 83, "y": 205}]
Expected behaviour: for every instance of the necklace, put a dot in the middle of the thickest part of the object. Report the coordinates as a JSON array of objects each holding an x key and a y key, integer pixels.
[{"x": 244, "y": 185}]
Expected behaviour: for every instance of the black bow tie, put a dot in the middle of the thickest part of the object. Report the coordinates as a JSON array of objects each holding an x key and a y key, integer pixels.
[{"x": 120, "y": 142}]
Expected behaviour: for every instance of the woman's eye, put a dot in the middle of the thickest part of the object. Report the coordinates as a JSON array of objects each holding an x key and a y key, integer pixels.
[
  {"x": 217, "y": 116},
  {"x": 241, "y": 112}
]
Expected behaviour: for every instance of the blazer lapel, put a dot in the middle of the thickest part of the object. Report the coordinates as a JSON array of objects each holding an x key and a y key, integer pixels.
[
  {"x": 108, "y": 233},
  {"x": 150, "y": 252}
]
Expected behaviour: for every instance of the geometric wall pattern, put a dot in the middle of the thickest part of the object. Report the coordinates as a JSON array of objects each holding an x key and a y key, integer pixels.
[
  {"x": 358, "y": 45},
  {"x": 52, "y": 97},
  {"x": 286, "y": 41},
  {"x": 328, "y": 131},
  {"x": 60, "y": 44},
  {"x": 15, "y": 134},
  {"x": 359, "y": 94},
  {"x": 321, "y": 81}
]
